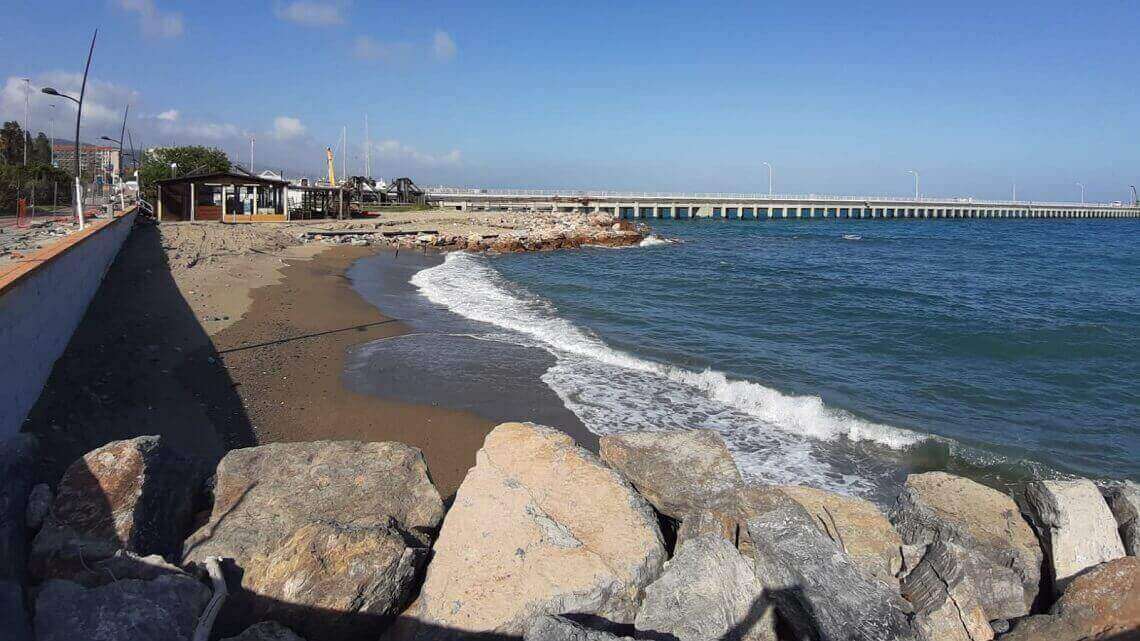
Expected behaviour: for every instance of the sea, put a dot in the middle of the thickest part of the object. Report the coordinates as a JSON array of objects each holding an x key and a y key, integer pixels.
[{"x": 838, "y": 354}]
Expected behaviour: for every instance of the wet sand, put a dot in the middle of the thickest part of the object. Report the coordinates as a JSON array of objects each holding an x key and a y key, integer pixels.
[{"x": 286, "y": 356}]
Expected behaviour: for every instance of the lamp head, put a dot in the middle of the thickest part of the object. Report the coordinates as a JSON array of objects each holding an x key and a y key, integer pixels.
[{"x": 49, "y": 91}]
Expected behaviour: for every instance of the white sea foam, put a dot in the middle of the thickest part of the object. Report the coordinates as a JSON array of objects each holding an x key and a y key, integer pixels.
[
  {"x": 852, "y": 237},
  {"x": 654, "y": 240},
  {"x": 772, "y": 434}
]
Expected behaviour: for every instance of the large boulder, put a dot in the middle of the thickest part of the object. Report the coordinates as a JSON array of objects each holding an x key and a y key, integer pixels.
[
  {"x": 17, "y": 458},
  {"x": 551, "y": 627},
  {"x": 328, "y": 536},
  {"x": 857, "y": 526},
  {"x": 680, "y": 473},
  {"x": 1076, "y": 528},
  {"x": 539, "y": 526},
  {"x": 944, "y": 597},
  {"x": 165, "y": 609},
  {"x": 708, "y": 592},
  {"x": 1124, "y": 501},
  {"x": 266, "y": 631},
  {"x": 136, "y": 495},
  {"x": 1003, "y": 556},
  {"x": 1102, "y": 604},
  {"x": 817, "y": 588}
]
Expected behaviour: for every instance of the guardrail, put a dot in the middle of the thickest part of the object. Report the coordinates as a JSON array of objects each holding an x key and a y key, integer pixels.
[{"x": 727, "y": 196}]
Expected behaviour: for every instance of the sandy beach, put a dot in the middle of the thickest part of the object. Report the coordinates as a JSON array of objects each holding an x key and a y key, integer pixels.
[{"x": 228, "y": 336}]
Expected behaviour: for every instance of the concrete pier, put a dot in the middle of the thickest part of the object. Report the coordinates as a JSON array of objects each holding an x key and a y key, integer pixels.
[{"x": 753, "y": 207}]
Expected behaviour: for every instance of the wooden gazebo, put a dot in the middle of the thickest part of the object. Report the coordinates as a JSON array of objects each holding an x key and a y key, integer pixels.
[{"x": 228, "y": 196}]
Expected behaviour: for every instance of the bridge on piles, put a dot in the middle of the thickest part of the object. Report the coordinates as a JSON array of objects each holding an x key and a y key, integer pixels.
[{"x": 764, "y": 206}]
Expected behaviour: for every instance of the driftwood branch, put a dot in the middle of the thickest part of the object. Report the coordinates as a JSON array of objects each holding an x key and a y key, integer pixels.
[{"x": 206, "y": 621}]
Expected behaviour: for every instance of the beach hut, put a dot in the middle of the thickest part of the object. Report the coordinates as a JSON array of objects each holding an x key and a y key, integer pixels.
[{"x": 227, "y": 196}]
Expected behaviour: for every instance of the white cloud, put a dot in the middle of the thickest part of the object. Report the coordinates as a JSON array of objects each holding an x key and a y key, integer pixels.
[
  {"x": 311, "y": 14},
  {"x": 154, "y": 21},
  {"x": 285, "y": 128},
  {"x": 170, "y": 115},
  {"x": 398, "y": 151},
  {"x": 443, "y": 46}
]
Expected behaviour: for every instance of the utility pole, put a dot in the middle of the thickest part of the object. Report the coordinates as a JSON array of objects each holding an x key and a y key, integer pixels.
[
  {"x": 27, "y": 131},
  {"x": 251, "y": 139}
]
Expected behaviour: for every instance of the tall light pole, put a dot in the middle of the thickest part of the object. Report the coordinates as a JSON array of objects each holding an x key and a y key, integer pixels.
[
  {"x": 27, "y": 134},
  {"x": 1015, "y": 191},
  {"x": 1134, "y": 201},
  {"x": 1082, "y": 192},
  {"x": 78, "y": 119},
  {"x": 51, "y": 135},
  {"x": 251, "y": 140},
  {"x": 911, "y": 171},
  {"x": 769, "y": 166}
]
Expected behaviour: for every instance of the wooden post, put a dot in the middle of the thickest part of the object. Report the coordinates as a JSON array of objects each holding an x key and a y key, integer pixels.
[
  {"x": 160, "y": 203},
  {"x": 192, "y": 202}
]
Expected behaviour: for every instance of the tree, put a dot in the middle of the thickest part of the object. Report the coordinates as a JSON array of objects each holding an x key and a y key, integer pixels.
[
  {"x": 12, "y": 143},
  {"x": 41, "y": 150},
  {"x": 156, "y": 164}
]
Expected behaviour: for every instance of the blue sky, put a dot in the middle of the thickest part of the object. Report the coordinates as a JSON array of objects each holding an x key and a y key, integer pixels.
[{"x": 842, "y": 97}]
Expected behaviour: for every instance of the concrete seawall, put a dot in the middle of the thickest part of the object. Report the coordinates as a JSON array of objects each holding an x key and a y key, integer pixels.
[{"x": 42, "y": 300}]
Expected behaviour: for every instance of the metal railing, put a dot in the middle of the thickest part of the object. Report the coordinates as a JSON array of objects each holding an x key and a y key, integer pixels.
[{"x": 473, "y": 192}]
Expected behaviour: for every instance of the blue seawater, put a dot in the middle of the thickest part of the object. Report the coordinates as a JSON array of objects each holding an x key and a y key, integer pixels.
[{"x": 841, "y": 354}]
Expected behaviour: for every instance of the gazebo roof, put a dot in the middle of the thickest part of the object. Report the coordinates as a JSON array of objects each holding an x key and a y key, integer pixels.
[{"x": 224, "y": 177}]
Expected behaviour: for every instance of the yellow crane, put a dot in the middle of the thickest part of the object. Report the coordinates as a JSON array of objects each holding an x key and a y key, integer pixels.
[{"x": 332, "y": 170}]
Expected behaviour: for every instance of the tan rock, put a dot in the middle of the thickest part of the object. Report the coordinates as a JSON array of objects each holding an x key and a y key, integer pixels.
[
  {"x": 1078, "y": 531},
  {"x": 266, "y": 631},
  {"x": 857, "y": 526},
  {"x": 1101, "y": 605},
  {"x": 539, "y": 526},
  {"x": 1004, "y": 557},
  {"x": 327, "y": 535},
  {"x": 681, "y": 473}
]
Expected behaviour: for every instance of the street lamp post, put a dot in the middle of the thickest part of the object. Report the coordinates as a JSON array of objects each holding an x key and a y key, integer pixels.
[
  {"x": 915, "y": 173},
  {"x": 769, "y": 166},
  {"x": 1082, "y": 192},
  {"x": 78, "y": 119},
  {"x": 27, "y": 91}
]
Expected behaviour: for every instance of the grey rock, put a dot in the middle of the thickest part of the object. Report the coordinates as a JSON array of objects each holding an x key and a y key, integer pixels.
[
  {"x": 329, "y": 536},
  {"x": 946, "y": 602},
  {"x": 136, "y": 495},
  {"x": 124, "y": 565},
  {"x": 679, "y": 473},
  {"x": 1076, "y": 527},
  {"x": 17, "y": 458},
  {"x": 14, "y": 620},
  {"x": 1004, "y": 557},
  {"x": 817, "y": 588},
  {"x": 708, "y": 592},
  {"x": 39, "y": 505},
  {"x": 552, "y": 627},
  {"x": 1124, "y": 501},
  {"x": 165, "y": 609},
  {"x": 266, "y": 631}
]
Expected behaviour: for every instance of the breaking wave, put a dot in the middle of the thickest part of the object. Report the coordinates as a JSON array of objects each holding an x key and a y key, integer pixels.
[{"x": 775, "y": 437}]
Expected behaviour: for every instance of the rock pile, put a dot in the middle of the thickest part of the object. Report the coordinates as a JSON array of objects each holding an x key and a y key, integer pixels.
[{"x": 659, "y": 537}]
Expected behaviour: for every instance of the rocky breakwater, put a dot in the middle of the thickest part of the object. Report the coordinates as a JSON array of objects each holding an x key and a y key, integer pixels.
[
  {"x": 499, "y": 232},
  {"x": 659, "y": 537}
]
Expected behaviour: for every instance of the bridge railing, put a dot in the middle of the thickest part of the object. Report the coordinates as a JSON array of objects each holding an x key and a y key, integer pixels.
[{"x": 474, "y": 192}]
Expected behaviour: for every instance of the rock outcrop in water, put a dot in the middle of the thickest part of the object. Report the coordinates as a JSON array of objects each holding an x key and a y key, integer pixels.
[{"x": 545, "y": 541}]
